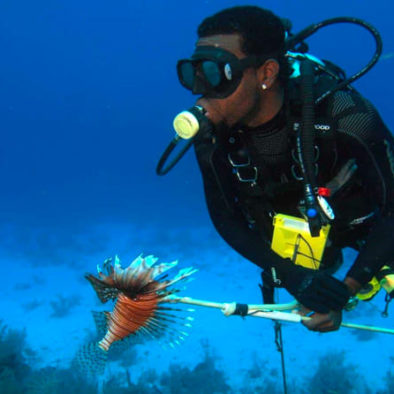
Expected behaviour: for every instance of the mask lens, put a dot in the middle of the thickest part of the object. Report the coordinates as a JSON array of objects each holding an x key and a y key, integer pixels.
[
  {"x": 211, "y": 73},
  {"x": 187, "y": 74}
]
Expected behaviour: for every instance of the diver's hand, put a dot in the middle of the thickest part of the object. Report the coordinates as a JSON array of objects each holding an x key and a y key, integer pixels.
[
  {"x": 316, "y": 290},
  {"x": 353, "y": 285},
  {"x": 322, "y": 322}
]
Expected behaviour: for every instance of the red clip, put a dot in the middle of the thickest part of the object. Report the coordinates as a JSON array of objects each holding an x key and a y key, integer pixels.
[{"x": 324, "y": 192}]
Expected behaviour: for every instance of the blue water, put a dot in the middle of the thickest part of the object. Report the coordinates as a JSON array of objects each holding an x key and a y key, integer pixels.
[{"x": 88, "y": 91}]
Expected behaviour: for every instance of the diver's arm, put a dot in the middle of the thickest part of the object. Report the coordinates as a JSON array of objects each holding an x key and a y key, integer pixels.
[
  {"x": 372, "y": 144},
  {"x": 377, "y": 252}
]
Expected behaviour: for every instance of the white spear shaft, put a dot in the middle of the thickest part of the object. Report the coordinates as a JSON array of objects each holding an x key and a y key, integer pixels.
[{"x": 268, "y": 311}]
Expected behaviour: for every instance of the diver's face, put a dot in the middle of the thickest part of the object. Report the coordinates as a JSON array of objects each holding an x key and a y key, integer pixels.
[{"x": 244, "y": 103}]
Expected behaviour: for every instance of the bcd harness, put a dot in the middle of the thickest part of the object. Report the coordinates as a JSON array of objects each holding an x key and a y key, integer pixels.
[
  {"x": 260, "y": 197},
  {"x": 257, "y": 187}
]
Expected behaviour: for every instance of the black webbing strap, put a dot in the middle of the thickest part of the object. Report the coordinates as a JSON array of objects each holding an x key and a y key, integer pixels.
[{"x": 267, "y": 289}]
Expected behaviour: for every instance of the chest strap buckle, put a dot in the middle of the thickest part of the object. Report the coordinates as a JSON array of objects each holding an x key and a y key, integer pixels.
[{"x": 243, "y": 169}]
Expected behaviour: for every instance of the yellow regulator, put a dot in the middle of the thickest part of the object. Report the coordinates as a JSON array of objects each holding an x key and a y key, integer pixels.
[
  {"x": 369, "y": 290},
  {"x": 383, "y": 279}
]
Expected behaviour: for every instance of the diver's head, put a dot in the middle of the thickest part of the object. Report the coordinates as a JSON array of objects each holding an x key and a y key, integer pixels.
[
  {"x": 262, "y": 33},
  {"x": 236, "y": 65}
]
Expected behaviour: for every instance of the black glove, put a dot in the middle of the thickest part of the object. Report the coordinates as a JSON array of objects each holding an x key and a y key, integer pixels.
[{"x": 316, "y": 290}]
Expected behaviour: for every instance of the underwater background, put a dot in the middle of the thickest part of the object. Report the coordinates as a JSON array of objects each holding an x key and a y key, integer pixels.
[{"x": 88, "y": 92}]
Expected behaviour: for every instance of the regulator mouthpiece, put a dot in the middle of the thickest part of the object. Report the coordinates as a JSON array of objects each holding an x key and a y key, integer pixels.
[{"x": 187, "y": 123}]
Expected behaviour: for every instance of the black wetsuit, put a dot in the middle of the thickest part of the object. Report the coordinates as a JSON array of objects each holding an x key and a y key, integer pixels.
[{"x": 351, "y": 136}]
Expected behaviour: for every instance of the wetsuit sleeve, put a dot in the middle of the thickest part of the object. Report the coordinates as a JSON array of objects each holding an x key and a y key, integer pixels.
[{"x": 364, "y": 136}]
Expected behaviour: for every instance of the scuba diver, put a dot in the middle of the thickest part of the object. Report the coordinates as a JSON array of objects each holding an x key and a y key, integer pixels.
[{"x": 296, "y": 164}]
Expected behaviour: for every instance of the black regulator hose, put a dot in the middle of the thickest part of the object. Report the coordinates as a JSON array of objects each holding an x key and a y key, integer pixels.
[
  {"x": 305, "y": 142},
  {"x": 306, "y": 146},
  {"x": 160, "y": 169},
  {"x": 298, "y": 38}
]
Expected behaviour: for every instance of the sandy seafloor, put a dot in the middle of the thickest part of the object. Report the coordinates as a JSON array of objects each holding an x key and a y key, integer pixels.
[{"x": 31, "y": 281}]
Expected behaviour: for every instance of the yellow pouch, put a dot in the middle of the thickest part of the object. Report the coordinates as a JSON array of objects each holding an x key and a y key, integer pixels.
[{"x": 292, "y": 239}]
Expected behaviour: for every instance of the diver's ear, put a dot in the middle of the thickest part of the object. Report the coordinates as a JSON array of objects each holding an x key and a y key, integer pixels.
[{"x": 268, "y": 73}]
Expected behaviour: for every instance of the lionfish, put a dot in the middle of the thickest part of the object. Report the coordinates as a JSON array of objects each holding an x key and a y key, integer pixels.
[{"x": 138, "y": 292}]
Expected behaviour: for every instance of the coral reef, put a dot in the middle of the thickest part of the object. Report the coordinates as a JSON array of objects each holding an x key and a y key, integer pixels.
[
  {"x": 335, "y": 375},
  {"x": 389, "y": 379},
  {"x": 62, "y": 306},
  {"x": 14, "y": 357},
  {"x": 203, "y": 378},
  {"x": 389, "y": 383},
  {"x": 57, "y": 381},
  {"x": 259, "y": 379}
]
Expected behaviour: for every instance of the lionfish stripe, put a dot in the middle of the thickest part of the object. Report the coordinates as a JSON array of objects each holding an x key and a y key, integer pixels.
[
  {"x": 104, "y": 344},
  {"x": 132, "y": 277},
  {"x": 142, "y": 278},
  {"x": 129, "y": 316},
  {"x": 123, "y": 329}
]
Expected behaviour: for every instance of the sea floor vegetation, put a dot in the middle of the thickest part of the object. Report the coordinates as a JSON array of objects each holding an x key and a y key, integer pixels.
[{"x": 18, "y": 375}]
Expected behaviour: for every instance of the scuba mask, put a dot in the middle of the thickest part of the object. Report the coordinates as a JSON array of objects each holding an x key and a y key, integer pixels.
[{"x": 214, "y": 72}]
